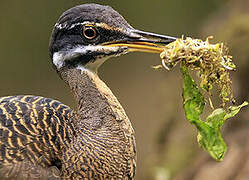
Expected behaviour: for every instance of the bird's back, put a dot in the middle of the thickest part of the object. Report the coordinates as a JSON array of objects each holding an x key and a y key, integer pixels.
[{"x": 33, "y": 130}]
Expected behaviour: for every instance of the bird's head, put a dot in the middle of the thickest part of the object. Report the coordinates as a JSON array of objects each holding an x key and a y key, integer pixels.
[{"x": 86, "y": 35}]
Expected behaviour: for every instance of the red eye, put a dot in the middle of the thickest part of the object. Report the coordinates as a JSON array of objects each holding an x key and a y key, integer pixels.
[{"x": 89, "y": 32}]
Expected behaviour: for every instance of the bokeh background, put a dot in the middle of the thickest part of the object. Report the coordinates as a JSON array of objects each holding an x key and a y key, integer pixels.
[{"x": 166, "y": 142}]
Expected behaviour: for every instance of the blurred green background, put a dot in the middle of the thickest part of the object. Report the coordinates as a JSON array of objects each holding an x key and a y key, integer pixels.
[{"x": 152, "y": 99}]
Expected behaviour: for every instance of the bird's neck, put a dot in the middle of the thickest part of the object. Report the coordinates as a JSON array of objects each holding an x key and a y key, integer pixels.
[
  {"x": 97, "y": 106},
  {"x": 103, "y": 131}
]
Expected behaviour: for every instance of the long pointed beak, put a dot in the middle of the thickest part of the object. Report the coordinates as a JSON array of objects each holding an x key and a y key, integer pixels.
[{"x": 143, "y": 42}]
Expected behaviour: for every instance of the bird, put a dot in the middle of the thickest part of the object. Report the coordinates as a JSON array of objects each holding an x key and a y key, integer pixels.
[{"x": 41, "y": 138}]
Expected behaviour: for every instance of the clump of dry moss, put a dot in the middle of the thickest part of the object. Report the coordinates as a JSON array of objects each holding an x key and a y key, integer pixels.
[{"x": 211, "y": 61}]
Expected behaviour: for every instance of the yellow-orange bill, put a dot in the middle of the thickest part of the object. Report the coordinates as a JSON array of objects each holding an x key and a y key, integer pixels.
[{"x": 139, "y": 46}]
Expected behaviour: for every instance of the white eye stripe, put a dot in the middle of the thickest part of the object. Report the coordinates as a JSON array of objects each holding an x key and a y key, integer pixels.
[
  {"x": 77, "y": 24},
  {"x": 66, "y": 26},
  {"x": 60, "y": 26}
]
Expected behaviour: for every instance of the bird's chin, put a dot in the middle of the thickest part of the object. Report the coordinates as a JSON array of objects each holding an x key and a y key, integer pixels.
[
  {"x": 104, "y": 54},
  {"x": 115, "y": 51}
]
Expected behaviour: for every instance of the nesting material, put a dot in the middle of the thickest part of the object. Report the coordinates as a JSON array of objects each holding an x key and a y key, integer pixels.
[{"x": 211, "y": 62}]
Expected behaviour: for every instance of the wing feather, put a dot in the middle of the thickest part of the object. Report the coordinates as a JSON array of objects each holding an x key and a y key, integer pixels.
[{"x": 33, "y": 131}]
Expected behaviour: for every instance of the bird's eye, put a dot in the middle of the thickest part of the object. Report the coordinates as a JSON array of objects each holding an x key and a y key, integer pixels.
[{"x": 89, "y": 32}]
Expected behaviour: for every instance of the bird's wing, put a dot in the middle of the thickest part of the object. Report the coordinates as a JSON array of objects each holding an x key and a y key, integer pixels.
[{"x": 33, "y": 132}]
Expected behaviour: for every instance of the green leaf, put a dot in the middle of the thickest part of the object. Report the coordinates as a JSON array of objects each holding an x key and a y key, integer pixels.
[
  {"x": 233, "y": 110},
  {"x": 211, "y": 139},
  {"x": 193, "y": 99},
  {"x": 209, "y": 131}
]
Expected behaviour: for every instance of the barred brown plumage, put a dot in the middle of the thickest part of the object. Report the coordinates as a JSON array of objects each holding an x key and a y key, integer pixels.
[
  {"x": 32, "y": 129},
  {"x": 41, "y": 138}
]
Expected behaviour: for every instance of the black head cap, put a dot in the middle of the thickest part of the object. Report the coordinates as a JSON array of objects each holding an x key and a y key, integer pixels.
[{"x": 93, "y": 13}]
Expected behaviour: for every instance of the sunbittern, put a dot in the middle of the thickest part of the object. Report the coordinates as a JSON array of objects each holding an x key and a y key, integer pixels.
[{"x": 41, "y": 138}]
